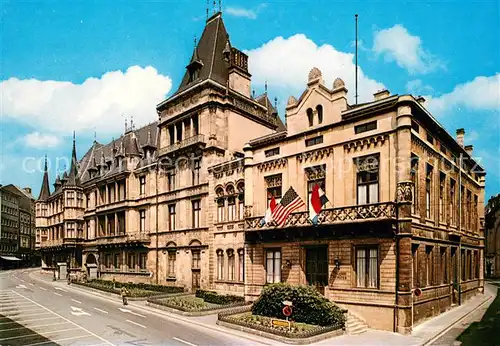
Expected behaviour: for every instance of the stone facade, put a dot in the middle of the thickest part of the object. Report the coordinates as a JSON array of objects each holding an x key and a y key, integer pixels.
[
  {"x": 492, "y": 222},
  {"x": 181, "y": 201}
]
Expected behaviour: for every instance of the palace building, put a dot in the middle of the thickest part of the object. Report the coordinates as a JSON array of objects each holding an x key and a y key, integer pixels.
[{"x": 183, "y": 200}]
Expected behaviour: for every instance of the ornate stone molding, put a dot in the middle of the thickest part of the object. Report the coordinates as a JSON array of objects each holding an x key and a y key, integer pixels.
[
  {"x": 315, "y": 155},
  {"x": 404, "y": 192},
  {"x": 366, "y": 143},
  {"x": 248, "y": 211},
  {"x": 273, "y": 164}
]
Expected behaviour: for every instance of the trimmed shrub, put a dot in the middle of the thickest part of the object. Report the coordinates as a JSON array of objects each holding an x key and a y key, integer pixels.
[
  {"x": 309, "y": 306},
  {"x": 139, "y": 286},
  {"x": 215, "y": 298}
]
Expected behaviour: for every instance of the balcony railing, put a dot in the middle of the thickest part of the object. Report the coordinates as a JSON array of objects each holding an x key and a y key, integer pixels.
[
  {"x": 137, "y": 237},
  {"x": 197, "y": 139},
  {"x": 332, "y": 216},
  {"x": 59, "y": 242}
]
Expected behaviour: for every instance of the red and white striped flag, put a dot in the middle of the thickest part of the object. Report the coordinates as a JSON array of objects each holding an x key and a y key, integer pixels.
[{"x": 289, "y": 203}]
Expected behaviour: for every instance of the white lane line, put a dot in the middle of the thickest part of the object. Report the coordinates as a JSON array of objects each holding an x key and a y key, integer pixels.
[
  {"x": 57, "y": 294},
  {"x": 7, "y": 312},
  {"x": 184, "y": 341},
  {"x": 40, "y": 287},
  {"x": 137, "y": 324},
  {"x": 104, "y": 312},
  {"x": 37, "y": 326},
  {"x": 10, "y": 305},
  {"x": 60, "y": 289},
  {"x": 57, "y": 340},
  {"x": 76, "y": 301},
  {"x": 24, "y": 315},
  {"x": 88, "y": 331},
  {"x": 23, "y": 280},
  {"x": 135, "y": 313},
  {"x": 32, "y": 320},
  {"x": 41, "y": 333},
  {"x": 32, "y": 284}
]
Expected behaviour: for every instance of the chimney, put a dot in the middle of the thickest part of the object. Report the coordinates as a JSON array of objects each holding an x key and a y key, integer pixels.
[
  {"x": 421, "y": 100},
  {"x": 469, "y": 148},
  {"x": 460, "y": 137},
  {"x": 28, "y": 190},
  {"x": 382, "y": 94}
]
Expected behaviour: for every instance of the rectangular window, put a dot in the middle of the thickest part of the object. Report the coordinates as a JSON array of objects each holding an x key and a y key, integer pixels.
[
  {"x": 142, "y": 220},
  {"x": 231, "y": 208},
  {"x": 196, "y": 172},
  {"x": 315, "y": 175},
  {"x": 372, "y": 125},
  {"x": 476, "y": 264},
  {"x": 469, "y": 210},
  {"x": 274, "y": 188},
  {"x": 196, "y": 213},
  {"x": 241, "y": 206},
  {"x": 314, "y": 141},
  {"x": 87, "y": 199},
  {"x": 220, "y": 209},
  {"x": 414, "y": 180},
  {"x": 107, "y": 261},
  {"x": 430, "y": 139},
  {"x": 116, "y": 262},
  {"x": 442, "y": 182},
  {"x": 415, "y": 272},
  {"x": 464, "y": 269},
  {"x": 171, "y": 181},
  {"x": 143, "y": 258},
  {"x": 442, "y": 148},
  {"x": 70, "y": 198},
  {"x": 230, "y": 265},
  {"x": 241, "y": 265},
  {"x": 469, "y": 264},
  {"x": 220, "y": 265},
  {"x": 428, "y": 189},
  {"x": 195, "y": 259},
  {"x": 429, "y": 266},
  {"x": 132, "y": 258},
  {"x": 171, "y": 217},
  {"x": 367, "y": 267},
  {"x": 415, "y": 126},
  {"x": 475, "y": 224},
  {"x": 367, "y": 179},
  {"x": 142, "y": 185},
  {"x": 452, "y": 211},
  {"x": 273, "y": 266},
  {"x": 171, "y": 264},
  {"x": 444, "y": 266},
  {"x": 272, "y": 152}
]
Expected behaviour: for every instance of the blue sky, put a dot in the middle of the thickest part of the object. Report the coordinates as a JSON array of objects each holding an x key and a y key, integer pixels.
[{"x": 85, "y": 66}]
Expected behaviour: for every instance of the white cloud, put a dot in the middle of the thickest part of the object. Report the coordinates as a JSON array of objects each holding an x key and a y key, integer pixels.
[
  {"x": 39, "y": 141},
  {"x": 397, "y": 44},
  {"x": 480, "y": 94},
  {"x": 97, "y": 103},
  {"x": 285, "y": 64},
  {"x": 417, "y": 87},
  {"x": 241, "y": 12}
]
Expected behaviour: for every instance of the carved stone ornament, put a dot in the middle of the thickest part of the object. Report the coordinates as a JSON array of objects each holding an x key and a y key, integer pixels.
[
  {"x": 338, "y": 83},
  {"x": 366, "y": 143},
  {"x": 273, "y": 164},
  {"x": 315, "y": 154},
  {"x": 248, "y": 211},
  {"x": 316, "y": 172},
  {"x": 274, "y": 181},
  {"x": 404, "y": 192},
  {"x": 291, "y": 101},
  {"x": 314, "y": 74}
]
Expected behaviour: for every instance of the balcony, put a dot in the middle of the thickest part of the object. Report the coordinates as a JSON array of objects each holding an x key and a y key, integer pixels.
[
  {"x": 184, "y": 144},
  {"x": 58, "y": 243},
  {"x": 122, "y": 239},
  {"x": 332, "y": 216}
]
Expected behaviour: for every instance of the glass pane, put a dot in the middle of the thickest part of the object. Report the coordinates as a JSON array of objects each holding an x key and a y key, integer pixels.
[
  {"x": 277, "y": 267},
  {"x": 360, "y": 267},
  {"x": 373, "y": 193},
  {"x": 373, "y": 266},
  {"x": 269, "y": 266},
  {"x": 362, "y": 198}
]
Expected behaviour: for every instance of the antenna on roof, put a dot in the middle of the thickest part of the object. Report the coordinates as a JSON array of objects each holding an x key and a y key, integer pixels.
[
  {"x": 220, "y": 5},
  {"x": 265, "y": 87},
  {"x": 356, "y": 71},
  {"x": 207, "y": 9},
  {"x": 253, "y": 93},
  {"x": 95, "y": 135},
  {"x": 125, "y": 124},
  {"x": 131, "y": 123},
  {"x": 276, "y": 103},
  {"x": 214, "y": 7}
]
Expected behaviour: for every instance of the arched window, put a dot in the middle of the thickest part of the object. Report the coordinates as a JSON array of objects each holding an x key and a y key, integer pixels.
[
  {"x": 220, "y": 264},
  {"x": 319, "y": 110},
  {"x": 241, "y": 265},
  {"x": 310, "y": 116},
  {"x": 230, "y": 265},
  {"x": 241, "y": 200}
]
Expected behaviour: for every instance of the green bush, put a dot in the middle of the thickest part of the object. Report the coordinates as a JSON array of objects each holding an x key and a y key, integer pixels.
[
  {"x": 215, "y": 298},
  {"x": 139, "y": 286},
  {"x": 309, "y": 306}
]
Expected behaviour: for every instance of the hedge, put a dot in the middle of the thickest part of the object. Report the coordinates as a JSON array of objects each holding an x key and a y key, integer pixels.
[
  {"x": 215, "y": 298},
  {"x": 141, "y": 286},
  {"x": 309, "y": 306}
]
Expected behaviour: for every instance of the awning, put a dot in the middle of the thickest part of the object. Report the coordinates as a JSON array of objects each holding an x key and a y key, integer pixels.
[{"x": 10, "y": 258}]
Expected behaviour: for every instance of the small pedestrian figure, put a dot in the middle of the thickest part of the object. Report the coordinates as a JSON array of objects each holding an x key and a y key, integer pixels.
[
  {"x": 124, "y": 292},
  {"x": 68, "y": 277}
]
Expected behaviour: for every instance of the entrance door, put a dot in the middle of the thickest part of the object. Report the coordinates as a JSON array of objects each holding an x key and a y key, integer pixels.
[
  {"x": 195, "y": 269},
  {"x": 454, "y": 276},
  {"x": 317, "y": 267}
]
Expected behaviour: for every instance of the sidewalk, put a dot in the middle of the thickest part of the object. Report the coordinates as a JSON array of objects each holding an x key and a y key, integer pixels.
[{"x": 422, "y": 334}]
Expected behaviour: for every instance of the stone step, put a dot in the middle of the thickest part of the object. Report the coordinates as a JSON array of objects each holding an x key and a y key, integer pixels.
[{"x": 355, "y": 325}]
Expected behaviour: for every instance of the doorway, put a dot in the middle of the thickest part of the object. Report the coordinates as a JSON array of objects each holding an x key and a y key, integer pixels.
[
  {"x": 317, "y": 267},
  {"x": 195, "y": 269}
]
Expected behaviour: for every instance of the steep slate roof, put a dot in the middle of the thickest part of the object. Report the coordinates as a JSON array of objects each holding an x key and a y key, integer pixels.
[
  {"x": 209, "y": 52},
  {"x": 271, "y": 111},
  {"x": 73, "y": 179},
  {"x": 45, "y": 190}
]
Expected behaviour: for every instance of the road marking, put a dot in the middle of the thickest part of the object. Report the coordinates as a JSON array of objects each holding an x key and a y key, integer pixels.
[
  {"x": 131, "y": 312},
  {"x": 76, "y": 301},
  {"x": 64, "y": 339},
  {"x": 40, "y": 325},
  {"x": 42, "y": 288},
  {"x": 21, "y": 286},
  {"x": 23, "y": 280},
  {"x": 32, "y": 320},
  {"x": 13, "y": 310},
  {"x": 57, "y": 294},
  {"x": 184, "y": 341},
  {"x": 105, "y": 312},
  {"x": 41, "y": 333},
  {"x": 10, "y": 305},
  {"x": 60, "y": 289},
  {"x": 79, "y": 312},
  {"x": 88, "y": 331},
  {"x": 137, "y": 324},
  {"x": 32, "y": 284},
  {"x": 24, "y": 315}
]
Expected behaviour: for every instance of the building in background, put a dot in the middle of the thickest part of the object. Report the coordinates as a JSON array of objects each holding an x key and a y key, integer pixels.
[
  {"x": 182, "y": 201},
  {"x": 17, "y": 230},
  {"x": 492, "y": 222}
]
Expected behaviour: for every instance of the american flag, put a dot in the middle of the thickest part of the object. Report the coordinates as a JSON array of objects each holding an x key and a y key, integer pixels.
[{"x": 289, "y": 203}]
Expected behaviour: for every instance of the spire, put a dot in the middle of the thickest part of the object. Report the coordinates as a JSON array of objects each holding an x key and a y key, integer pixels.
[
  {"x": 149, "y": 144},
  {"x": 133, "y": 146},
  {"x": 73, "y": 170},
  {"x": 45, "y": 191}
]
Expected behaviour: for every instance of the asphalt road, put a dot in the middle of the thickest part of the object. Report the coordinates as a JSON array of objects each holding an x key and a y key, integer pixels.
[{"x": 41, "y": 313}]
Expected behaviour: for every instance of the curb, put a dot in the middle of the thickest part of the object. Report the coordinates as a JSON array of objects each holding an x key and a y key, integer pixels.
[{"x": 172, "y": 317}]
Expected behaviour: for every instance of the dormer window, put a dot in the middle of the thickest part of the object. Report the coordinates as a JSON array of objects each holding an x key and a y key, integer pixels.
[
  {"x": 319, "y": 110},
  {"x": 310, "y": 116}
]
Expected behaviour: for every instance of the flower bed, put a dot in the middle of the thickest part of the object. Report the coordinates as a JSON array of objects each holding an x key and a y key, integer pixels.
[
  {"x": 136, "y": 290},
  {"x": 202, "y": 301}
]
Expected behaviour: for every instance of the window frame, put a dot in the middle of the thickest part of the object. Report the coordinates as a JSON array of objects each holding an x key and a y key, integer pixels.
[
  {"x": 171, "y": 259},
  {"x": 369, "y": 181},
  {"x": 196, "y": 213},
  {"x": 365, "y": 127},
  {"x": 309, "y": 142},
  {"x": 142, "y": 185},
  {"x": 171, "y": 217},
  {"x": 367, "y": 248},
  {"x": 274, "y": 259}
]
